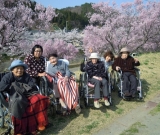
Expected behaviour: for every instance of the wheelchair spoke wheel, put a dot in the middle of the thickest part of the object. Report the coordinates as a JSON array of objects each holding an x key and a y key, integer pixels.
[
  {"x": 80, "y": 86},
  {"x": 1, "y": 116},
  {"x": 43, "y": 86}
]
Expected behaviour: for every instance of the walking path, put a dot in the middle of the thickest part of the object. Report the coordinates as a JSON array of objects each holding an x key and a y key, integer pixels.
[{"x": 148, "y": 124}]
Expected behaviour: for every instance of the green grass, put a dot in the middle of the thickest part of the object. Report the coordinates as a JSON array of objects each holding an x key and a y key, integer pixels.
[
  {"x": 107, "y": 115},
  {"x": 119, "y": 111},
  {"x": 155, "y": 110},
  {"x": 133, "y": 129},
  {"x": 88, "y": 128}
]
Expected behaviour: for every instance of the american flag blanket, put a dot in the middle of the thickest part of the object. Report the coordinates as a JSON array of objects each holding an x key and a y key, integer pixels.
[
  {"x": 35, "y": 114},
  {"x": 68, "y": 91}
]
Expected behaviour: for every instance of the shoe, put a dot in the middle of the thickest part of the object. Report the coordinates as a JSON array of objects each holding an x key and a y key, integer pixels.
[
  {"x": 127, "y": 94},
  {"x": 106, "y": 102},
  {"x": 34, "y": 133},
  {"x": 65, "y": 111},
  {"x": 78, "y": 109},
  {"x": 96, "y": 104},
  {"x": 41, "y": 128}
]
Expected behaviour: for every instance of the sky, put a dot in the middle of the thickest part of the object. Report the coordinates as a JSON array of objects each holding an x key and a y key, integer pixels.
[{"x": 72, "y": 3}]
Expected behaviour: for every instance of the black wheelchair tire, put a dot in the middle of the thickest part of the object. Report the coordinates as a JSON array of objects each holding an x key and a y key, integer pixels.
[
  {"x": 80, "y": 86},
  {"x": 1, "y": 117},
  {"x": 43, "y": 87}
]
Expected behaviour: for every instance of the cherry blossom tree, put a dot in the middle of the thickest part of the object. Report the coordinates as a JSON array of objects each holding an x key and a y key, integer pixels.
[
  {"x": 65, "y": 44},
  {"x": 16, "y": 17},
  {"x": 135, "y": 25}
]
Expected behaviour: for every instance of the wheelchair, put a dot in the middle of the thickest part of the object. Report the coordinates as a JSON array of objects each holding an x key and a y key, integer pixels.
[
  {"x": 120, "y": 86},
  {"x": 86, "y": 89},
  {"x": 46, "y": 89},
  {"x": 5, "y": 115}
]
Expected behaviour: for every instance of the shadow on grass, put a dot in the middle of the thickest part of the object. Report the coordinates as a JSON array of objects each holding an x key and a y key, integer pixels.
[
  {"x": 57, "y": 123},
  {"x": 145, "y": 87}
]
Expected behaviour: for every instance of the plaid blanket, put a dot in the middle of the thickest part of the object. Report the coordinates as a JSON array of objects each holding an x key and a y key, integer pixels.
[{"x": 35, "y": 114}]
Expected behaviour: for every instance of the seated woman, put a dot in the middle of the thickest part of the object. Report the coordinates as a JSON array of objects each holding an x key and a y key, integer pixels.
[
  {"x": 97, "y": 76},
  {"x": 66, "y": 85},
  {"x": 126, "y": 63},
  {"x": 36, "y": 63},
  {"x": 28, "y": 108}
]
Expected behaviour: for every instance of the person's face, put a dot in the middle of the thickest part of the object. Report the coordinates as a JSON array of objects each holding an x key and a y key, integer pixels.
[
  {"x": 108, "y": 58},
  {"x": 53, "y": 60},
  {"x": 37, "y": 52},
  {"x": 124, "y": 55},
  {"x": 18, "y": 71},
  {"x": 94, "y": 60}
]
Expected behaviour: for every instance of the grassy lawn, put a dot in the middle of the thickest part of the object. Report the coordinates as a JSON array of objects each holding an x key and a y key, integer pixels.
[{"x": 92, "y": 120}]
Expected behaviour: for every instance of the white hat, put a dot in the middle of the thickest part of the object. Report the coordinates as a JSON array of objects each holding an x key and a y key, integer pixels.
[
  {"x": 125, "y": 49},
  {"x": 94, "y": 55}
]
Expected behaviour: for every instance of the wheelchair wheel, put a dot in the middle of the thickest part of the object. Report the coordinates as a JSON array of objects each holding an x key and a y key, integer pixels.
[
  {"x": 1, "y": 117},
  {"x": 80, "y": 86},
  {"x": 43, "y": 86}
]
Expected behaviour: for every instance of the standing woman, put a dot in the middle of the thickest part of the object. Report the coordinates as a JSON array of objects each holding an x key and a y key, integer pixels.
[
  {"x": 108, "y": 58},
  {"x": 36, "y": 63}
]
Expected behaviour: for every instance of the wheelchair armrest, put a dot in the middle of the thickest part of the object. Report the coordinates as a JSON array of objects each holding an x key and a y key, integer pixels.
[
  {"x": 136, "y": 69},
  {"x": 3, "y": 99},
  {"x": 72, "y": 73}
]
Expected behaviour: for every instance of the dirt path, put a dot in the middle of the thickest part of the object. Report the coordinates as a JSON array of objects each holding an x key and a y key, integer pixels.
[{"x": 139, "y": 119}]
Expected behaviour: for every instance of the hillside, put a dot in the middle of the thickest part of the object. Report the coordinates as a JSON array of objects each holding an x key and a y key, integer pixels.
[{"x": 74, "y": 16}]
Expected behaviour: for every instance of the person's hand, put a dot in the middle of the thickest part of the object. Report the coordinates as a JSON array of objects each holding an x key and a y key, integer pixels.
[
  {"x": 42, "y": 74},
  {"x": 135, "y": 60},
  {"x": 118, "y": 68},
  {"x": 90, "y": 50},
  {"x": 100, "y": 78},
  {"x": 95, "y": 77},
  {"x": 66, "y": 79}
]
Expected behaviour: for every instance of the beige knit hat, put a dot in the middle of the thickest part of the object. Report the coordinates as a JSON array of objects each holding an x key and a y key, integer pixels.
[{"x": 125, "y": 49}]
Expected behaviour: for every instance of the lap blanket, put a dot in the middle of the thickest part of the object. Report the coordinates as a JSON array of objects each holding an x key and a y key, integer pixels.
[
  {"x": 35, "y": 114},
  {"x": 68, "y": 91}
]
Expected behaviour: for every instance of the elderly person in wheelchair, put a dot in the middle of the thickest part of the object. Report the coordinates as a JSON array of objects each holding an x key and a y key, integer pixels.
[
  {"x": 28, "y": 108},
  {"x": 97, "y": 76},
  {"x": 64, "y": 84},
  {"x": 126, "y": 64}
]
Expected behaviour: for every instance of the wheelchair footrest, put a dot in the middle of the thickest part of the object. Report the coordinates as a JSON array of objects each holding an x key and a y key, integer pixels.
[{"x": 90, "y": 96}]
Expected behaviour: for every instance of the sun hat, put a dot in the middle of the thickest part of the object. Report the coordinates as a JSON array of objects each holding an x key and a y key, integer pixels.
[
  {"x": 16, "y": 63},
  {"x": 94, "y": 55},
  {"x": 125, "y": 49}
]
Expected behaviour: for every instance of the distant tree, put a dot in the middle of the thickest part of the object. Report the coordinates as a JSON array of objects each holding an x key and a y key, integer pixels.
[
  {"x": 16, "y": 17},
  {"x": 75, "y": 19},
  {"x": 58, "y": 41},
  {"x": 134, "y": 25}
]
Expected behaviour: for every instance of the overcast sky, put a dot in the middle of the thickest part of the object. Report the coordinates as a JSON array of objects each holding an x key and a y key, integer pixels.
[{"x": 71, "y": 3}]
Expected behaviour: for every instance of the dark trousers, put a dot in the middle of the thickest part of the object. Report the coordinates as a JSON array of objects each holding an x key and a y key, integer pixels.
[
  {"x": 129, "y": 83},
  {"x": 98, "y": 85},
  {"x": 36, "y": 80}
]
